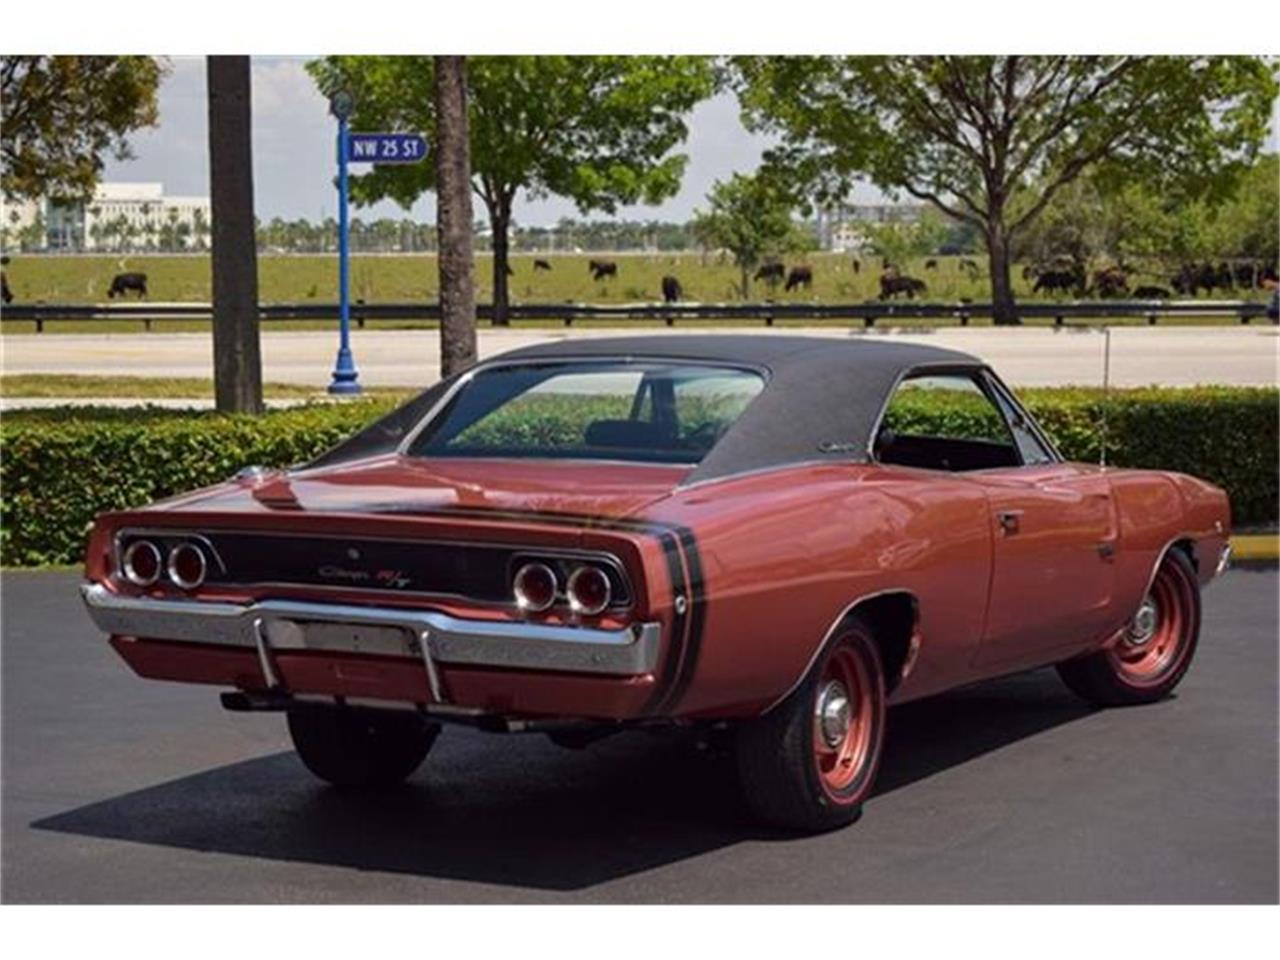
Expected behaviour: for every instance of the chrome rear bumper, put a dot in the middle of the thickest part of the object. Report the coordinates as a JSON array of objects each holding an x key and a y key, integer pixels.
[{"x": 434, "y": 637}]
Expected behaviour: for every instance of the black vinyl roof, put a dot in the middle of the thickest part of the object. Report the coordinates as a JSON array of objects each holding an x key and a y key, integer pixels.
[{"x": 822, "y": 400}]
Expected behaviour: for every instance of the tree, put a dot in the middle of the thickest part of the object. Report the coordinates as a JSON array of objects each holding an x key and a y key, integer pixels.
[
  {"x": 751, "y": 218},
  {"x": 59, "y": 117},
  {"x": 453, "y": 217},
  {"x": 237, "y": 358},
  {"x": 992, "y": 140},
  {"x": 599, "y": 130}
]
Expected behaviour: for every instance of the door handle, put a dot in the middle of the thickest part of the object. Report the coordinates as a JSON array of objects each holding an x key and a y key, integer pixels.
[{"x": 1010, "y": 521}]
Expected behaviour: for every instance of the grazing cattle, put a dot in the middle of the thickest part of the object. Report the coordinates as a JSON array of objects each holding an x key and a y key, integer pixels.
[
  {"x": 971, "y": 268},
  {"x": 799, "y": 277},
  {"x": 931, "y": 264},
  {"x": 541, "y": 265},
  {"x": 123, "y": 282},
  {"x": 891, "y": 285},
  {"x": 1151, "y": 293},
  {"x": 602, "y": 268},
  {"x": 1110, "y": 282},
  {"x": 1053, "y": 281},
  {"x": 857, "y": 265},
  {"x": 671, "y": 290},
  {"x": 771, "y": 273}
]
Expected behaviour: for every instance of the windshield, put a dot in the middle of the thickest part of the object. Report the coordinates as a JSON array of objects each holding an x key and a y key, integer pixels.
[{"x": 603, "y": 410}]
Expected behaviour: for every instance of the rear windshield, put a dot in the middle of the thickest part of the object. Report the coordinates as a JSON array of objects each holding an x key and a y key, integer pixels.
[{"x": 603, "y": 410}]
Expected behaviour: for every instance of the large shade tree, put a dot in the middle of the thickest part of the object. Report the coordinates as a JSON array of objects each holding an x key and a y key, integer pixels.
[
  {"x": 599, "y": 130},
  {"x": 750, "y": 217},
  {"x": 992, "y": 140},
  {"x": 61, "y": 117}
]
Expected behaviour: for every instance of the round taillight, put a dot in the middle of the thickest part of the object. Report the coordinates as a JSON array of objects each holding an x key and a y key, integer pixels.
[
  {"x": 187, "y": 566},
  {"x": 589, "y": 591},
  {"x": 142, "y": 563},
  {"x": 534, "y": 586}
]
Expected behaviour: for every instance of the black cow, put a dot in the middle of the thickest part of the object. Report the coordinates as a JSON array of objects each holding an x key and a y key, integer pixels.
[
  {"x": 771, "y": 272},
  {"x": 931, "y": 264},
  {"x": 671, "y": 289},
  {"x": 602, "y": 268},
  {"x": 123, "y": 282},
  {"x": 891, "y": 285},
  {"x": 1110, "y": 282},
  {"x": 541, "y": 265},
  {"x": 1151, "y": 293},
  {"x": 1052, "y": 281},
  {"x": 799, "y": 277}
]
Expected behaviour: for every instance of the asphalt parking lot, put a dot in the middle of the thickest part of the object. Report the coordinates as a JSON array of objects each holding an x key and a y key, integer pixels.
[{"x": 124, "y": 791}]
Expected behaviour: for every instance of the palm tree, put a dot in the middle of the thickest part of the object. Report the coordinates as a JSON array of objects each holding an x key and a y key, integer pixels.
[
  {"x": 237, "y": 357},
  {"x": 453, "y": 217}
]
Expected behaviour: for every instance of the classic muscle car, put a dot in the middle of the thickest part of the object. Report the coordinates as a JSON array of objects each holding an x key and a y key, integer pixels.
[{"x": 774, "y": 536}]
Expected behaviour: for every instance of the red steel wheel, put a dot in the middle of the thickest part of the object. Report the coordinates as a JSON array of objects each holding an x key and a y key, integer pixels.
[
  {"x": 1155, "y": 649},
  {"x": 811, "y": 761}
]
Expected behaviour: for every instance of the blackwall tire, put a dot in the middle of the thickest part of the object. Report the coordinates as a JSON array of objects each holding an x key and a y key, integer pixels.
[
  {"x": 810, "y": 762},
  {"x": 1156, "y": 650},
  {"x": 361, "y": 749}
]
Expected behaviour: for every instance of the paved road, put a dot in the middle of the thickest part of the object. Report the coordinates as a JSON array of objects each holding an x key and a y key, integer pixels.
[
  {"x": 1175, "y": 356},
  {"x": 120, "y": 790}
]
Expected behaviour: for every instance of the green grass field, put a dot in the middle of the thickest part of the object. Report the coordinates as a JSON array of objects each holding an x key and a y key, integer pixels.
[{"x": 299, "y": 279}]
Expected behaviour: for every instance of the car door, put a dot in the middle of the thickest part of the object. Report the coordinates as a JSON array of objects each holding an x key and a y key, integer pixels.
[{"x": 1052, "y": 524}]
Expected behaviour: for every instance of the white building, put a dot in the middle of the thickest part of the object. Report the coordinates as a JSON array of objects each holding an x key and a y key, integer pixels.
[
  {"x": 840, "y": 228},
  {"x": 129, "y": 216}
]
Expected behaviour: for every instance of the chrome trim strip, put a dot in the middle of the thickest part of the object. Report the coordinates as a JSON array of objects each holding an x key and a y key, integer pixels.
[
  {"x": 269, "y": 675},
  {"x": 533, "y": 646}
]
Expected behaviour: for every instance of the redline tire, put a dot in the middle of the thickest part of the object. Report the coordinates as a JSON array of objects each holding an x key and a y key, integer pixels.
[
  {"x": 811, "y": 761},
  {"x": 355, "y": 748},
  {"x": 1156, "y": 650}
]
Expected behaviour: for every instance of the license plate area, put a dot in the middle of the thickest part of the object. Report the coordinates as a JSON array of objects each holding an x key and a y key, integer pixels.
[{"x": 340, "y": 637}]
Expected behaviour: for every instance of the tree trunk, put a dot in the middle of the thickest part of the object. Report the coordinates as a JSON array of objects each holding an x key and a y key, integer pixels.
[
  {"x": 746, "y": 284},
  {"x": 453, "y": 218},
  {"x": 500, "y": 221},
  {"x": 237, "y": 355},
  {"x": 1004, "y": 311}
]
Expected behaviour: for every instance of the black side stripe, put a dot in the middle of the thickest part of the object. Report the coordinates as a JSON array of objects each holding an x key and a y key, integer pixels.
[{"x": 684, "y": 566}]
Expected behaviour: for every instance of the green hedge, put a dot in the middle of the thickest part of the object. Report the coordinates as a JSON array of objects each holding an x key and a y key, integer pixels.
[{"x": 58, "y": 469}]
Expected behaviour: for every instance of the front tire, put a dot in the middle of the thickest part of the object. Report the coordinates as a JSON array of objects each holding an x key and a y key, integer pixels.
[
  {"x": 1155, "y": 650},
  {"x": 810, "y": 762},
  {"x": 360, "y": 749}
]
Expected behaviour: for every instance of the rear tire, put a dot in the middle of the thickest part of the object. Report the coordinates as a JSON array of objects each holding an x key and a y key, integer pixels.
[
  {"x": 1154, "y": 652},
  {"x": 357, "y": 748},
  {"x": 810, "y": 762}
]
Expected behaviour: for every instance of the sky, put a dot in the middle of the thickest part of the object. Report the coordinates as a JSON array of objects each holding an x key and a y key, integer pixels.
[{"x": 293, "y": 151}]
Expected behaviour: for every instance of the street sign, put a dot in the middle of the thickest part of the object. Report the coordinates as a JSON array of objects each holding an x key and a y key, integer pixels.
[{"x": 386, "y": 148}]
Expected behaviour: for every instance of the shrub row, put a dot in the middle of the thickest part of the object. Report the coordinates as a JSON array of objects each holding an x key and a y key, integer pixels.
[{"x": 58, "y": 469}]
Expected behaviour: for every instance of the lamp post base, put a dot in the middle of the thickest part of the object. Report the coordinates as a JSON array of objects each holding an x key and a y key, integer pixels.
[{"x": 345, "y": 377}]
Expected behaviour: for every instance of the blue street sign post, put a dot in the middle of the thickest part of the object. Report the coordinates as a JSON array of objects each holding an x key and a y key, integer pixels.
[
  {"x": 344, "y": 369},
  {"x": 374, "y": 148}
]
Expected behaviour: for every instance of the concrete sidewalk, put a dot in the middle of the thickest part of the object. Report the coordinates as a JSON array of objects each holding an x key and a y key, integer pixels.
[{"x": 1171, "y": 356}]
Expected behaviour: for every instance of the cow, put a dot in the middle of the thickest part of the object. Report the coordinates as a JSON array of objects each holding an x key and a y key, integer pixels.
[
  {"x": 771, "y": 272},
  {"x": 1151, "y": 293},
  {"x": 1110, "y": 282},
  {"x": 602, "y": 268},
  {"x": 671, "y": 290},
  {"x": 965, "y": 265},
  {"x": 123, "y": 282},
  {"x": 1052, "y": 281},
  {"x": 799, "y": 277},
  {"x": 891, "y": 285},
  {"x": 541, "y": 265},
  {"x": 931, "y": 264}
]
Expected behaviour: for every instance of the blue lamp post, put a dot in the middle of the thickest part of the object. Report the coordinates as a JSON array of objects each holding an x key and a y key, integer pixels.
[{"x": 344, "y": 370}]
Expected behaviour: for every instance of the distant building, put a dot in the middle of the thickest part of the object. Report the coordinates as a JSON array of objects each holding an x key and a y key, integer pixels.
[
  {"x": 840, "y": 228},
  {"x": 127, "y": 216}
]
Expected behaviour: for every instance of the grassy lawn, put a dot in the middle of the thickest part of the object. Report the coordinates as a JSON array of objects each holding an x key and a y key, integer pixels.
[
  {"x": 70, "y": 386},
  {"x": 400, "y": 278}
]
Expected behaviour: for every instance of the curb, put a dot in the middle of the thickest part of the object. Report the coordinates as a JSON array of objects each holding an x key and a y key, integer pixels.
[{"x": 1255, "y": 546}]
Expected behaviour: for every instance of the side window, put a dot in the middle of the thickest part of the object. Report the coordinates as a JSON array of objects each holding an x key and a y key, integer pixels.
[
  {"x": 1031, "y": 448},
  {"x": 945, "y": 422}
]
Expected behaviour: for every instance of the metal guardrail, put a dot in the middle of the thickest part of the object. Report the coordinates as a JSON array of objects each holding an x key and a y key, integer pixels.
[{"x": 870, "y": 312}]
